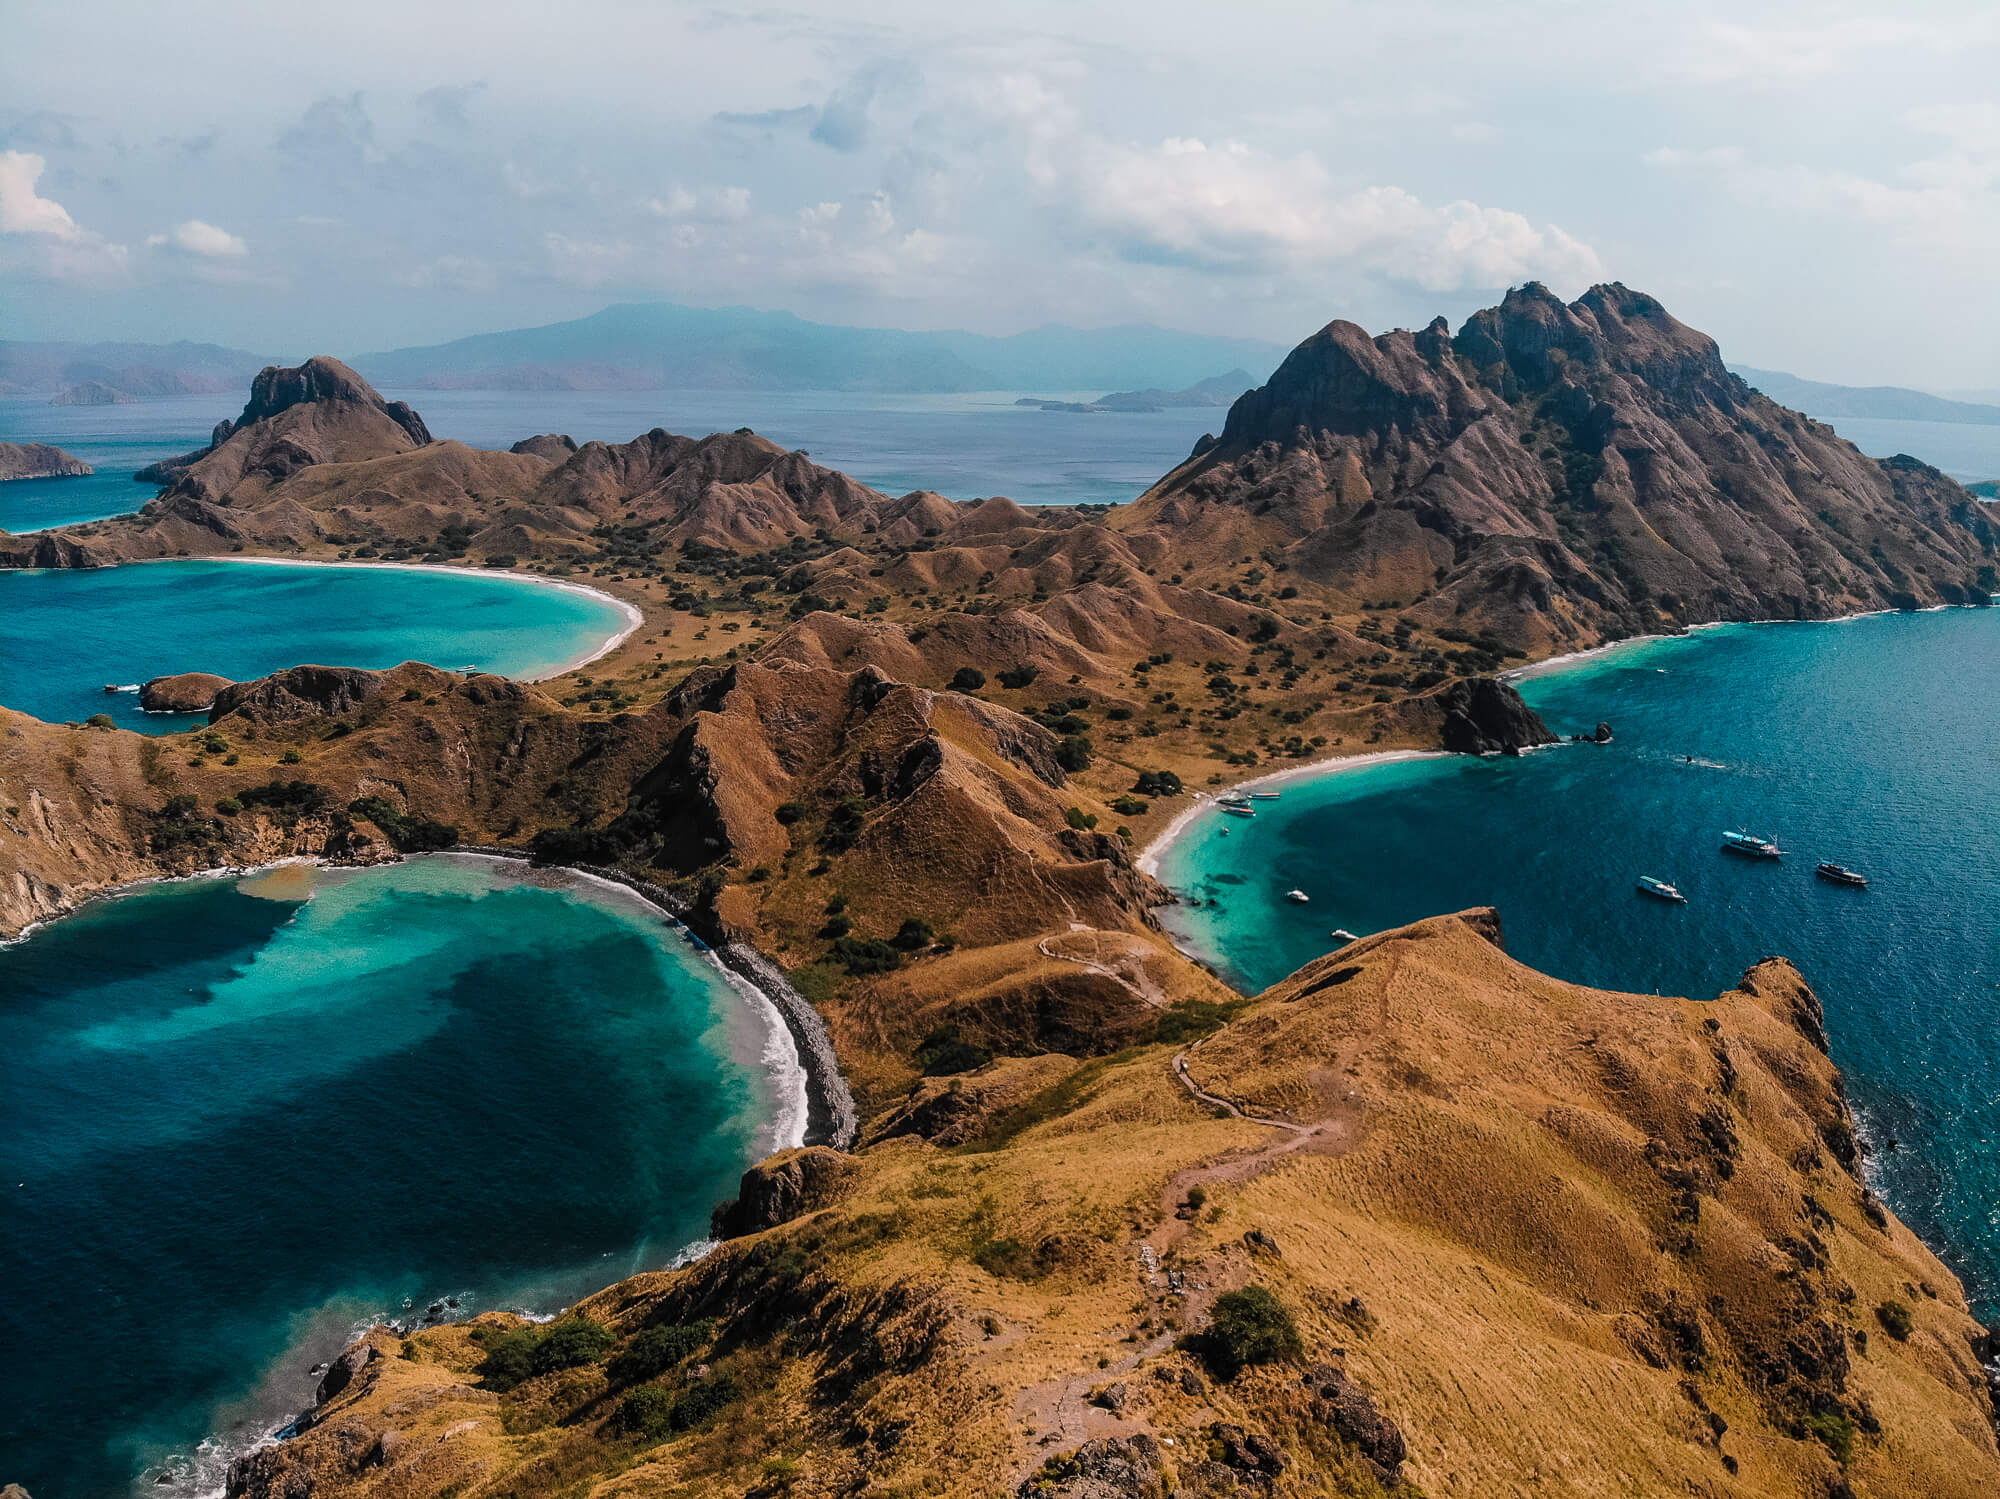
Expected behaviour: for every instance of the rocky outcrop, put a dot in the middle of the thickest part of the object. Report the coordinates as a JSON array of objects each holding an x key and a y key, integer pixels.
[
  {"x": 1485, "y": 716},
  {"x": 188, "y": 692},
  {"x": 783, "y": 1187},
  {"x": 1351, "y": 1412},
  {"x": 1559, "y": 474},
  {"x": 296, "y": 693},
  {"x": 38, "y": 460},
  {"x": 1107, "y": 1468}
]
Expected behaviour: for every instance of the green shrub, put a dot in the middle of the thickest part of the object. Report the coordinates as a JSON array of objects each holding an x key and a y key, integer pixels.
[
  {"x": 1073, "y": 754},
  {"x": 1020, "y": 676},
  {"x": 789, "y": 812},
  {"x": 526, "y": 1352},
  {"x": 657, "y": 1350},
  {"x": 1895, "y": 1319},
  {"x": 843, "y": 825},
  {"x": 866, "y": 955},
  {"x": 1250, "y": 1326},
  {"x": 290, "y": 757},
  {"x": 570, "y": 1342},
  {"x": 1158, "y": 783},
  {"x": 968, "y": 679},
  {"x": 1834, "y": 1431},
  {"x": 1130, "y": 806},
  {"x": 645, "y": 1412},
  {"x": 1191, "y": 1019},
  {"x": 1079, "y": 819},
  {"x": 945, "y": 1051},
  {"x": 286, "y": 799},
  {"x": 912, "y": 935},
  {"x": 410, "y": 835},
  {"x": 100, "y": 721},
  {"x": 229, "y": 806},
  {"x": 700, "y": 1403}
]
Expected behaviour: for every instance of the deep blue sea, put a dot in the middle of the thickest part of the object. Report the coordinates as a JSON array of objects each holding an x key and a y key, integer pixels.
[
  {"x": 1869, "y": 742},
  {"x": 244, "y": 1117},
  {"x": 65, "y": 636}
]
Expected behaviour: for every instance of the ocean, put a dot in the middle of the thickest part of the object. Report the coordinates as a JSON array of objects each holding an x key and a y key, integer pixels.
[
  {"x": 1868, "y": 742},
  {"x": 65, "y": 636},
  {"x": 246, "y": 1117},
  {"x": 963, "y": 446}
]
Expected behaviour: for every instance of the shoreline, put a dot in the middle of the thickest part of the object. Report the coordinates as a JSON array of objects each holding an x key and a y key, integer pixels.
[{"x": 630, "y": 613}]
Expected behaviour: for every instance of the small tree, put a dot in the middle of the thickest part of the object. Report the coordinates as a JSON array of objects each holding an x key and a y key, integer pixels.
[
  {"x": 968, "y": 679},
  {"x": 1250, "y": 1326}
]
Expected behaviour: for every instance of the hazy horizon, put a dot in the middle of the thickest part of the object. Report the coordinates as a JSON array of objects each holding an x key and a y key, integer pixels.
[{"x": 1818, "y": 187}]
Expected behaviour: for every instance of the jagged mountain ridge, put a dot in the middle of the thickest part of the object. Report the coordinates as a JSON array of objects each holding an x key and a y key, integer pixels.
[{"x": 1563, "y": 474}]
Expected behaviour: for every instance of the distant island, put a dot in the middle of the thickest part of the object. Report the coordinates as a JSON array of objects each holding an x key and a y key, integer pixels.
[
  {"x": 1216, "y": 390},
  {"x": 664, "y": 346},
  {"x": 1893, "y": 403},
  {"x": 108, "y": 374},
  {"x": 39, "y": 460}
]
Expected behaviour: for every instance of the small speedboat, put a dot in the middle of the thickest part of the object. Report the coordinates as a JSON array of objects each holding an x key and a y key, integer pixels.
[
  {"x": 1235, "y": 809},
  {"x": 1750, "y": 845},
  {"x": 1342, "y": 934},
  {"x": 1660, "y": 890},
  {"x": 1265, "y": 796},
  {"x": 1297, "y": 897},
  {"x": 1840, "y": 874}
]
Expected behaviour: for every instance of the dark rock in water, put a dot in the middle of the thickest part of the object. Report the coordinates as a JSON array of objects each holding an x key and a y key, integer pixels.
[
  {"x": 186, "y": 692},
  {"x": 1108, "y": 1468},
  {"x": 39, "y": 460},
  {"x": 1483, "y": 715},
  {"x": 1339, "y": 1402},
  {"x": 1602, "y": 734},
  {"x": 786, "y": 1186}
]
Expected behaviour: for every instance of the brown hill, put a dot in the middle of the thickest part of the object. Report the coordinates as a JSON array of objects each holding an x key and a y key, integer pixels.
[
  {"x": 1531, "y": 1239},
  {"x": 39, "y": 460},
  {"x": 1559, "y": 475}
]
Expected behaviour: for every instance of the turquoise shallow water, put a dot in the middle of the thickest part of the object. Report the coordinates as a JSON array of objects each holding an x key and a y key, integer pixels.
[
  {"x": 235, "y": 1126},
  {"x": 1869, "y": 742},
  {"x": 65, "y": 635}
]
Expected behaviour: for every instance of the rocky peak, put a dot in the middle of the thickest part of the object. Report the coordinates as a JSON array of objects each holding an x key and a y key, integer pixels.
[
  {"x": 1343, "y": 382},
  {"x": 322, "y": 378},
  {"x": 1533, "y": 339}
]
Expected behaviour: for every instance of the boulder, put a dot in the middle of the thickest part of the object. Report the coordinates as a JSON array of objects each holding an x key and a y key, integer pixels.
[
  {"x": 788, "y": 1185},
  {"x": 185, "y": 692},
  {"x": 1109, "y": 1468},
  {"x": 342, "y": 1372}
]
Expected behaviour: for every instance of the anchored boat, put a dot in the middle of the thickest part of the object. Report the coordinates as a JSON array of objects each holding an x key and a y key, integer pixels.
[
  {"x": 1750, "y": 845},
  {"x": 1297, "y": 897},
  {"x": 1237, "y": 809},
  {"x": 1840, "y": 874},
  {"x": 1660, "y": 890}
]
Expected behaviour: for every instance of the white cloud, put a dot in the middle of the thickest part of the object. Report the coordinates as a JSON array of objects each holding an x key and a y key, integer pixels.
[
  {"x": 456, "y": 272},
  {"x": 22, "y": 210},
  {"x": 1234, "y": 208},
  {"x": 45, "y": 240},
  {"x": 1770, "y": 56},
  {"x": 197, "y": 237}
]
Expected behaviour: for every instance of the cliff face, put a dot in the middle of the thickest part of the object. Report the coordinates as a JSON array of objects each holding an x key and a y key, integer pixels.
[
  {"x": 1563, "y": 473},
  {"x": 1533, "y": 1239}
]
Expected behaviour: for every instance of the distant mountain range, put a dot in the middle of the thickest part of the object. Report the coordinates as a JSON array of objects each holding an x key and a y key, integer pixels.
[
  {"x": 1886, "y": 402},
  {"x": 660, "y": 345},
  {"x": 106, "y": 374}
]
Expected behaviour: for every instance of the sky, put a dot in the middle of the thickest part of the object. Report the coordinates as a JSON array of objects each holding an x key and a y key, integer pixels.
[{"x": 1817, "y": 185}]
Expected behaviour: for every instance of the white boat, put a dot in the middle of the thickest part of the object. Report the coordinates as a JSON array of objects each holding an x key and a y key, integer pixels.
[
  {"x": 1342, "y": 934},
  {"x": 1660, "y": 890},
  {"x": 1297, "y": 897}
]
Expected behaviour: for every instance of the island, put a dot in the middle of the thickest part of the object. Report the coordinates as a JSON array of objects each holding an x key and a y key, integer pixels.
[{"x": 38, "y": 460}]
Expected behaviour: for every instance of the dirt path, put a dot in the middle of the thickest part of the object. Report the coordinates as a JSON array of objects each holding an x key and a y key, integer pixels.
[{"x": 1135, "y": 980}]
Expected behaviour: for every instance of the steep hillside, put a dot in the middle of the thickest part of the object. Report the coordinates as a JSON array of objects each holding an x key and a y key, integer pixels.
[
  {"x": 1505, "y": 1236},
  {"x": 1561, "y": 475}
]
